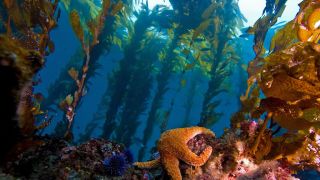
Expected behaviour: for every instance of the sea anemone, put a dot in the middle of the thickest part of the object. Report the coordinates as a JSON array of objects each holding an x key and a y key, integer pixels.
[{"x": 115, "y": 165}]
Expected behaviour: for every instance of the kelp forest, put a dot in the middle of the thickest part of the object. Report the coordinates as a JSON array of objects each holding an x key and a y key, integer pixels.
[{"x": 167, "y": 89}]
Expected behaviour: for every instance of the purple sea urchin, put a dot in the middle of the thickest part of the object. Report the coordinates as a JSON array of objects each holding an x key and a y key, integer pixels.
[{"x": 115, "y": 165}]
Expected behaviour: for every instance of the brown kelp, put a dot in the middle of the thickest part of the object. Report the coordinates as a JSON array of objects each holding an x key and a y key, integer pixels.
[
  {"x": 272, "y": 11},
  {"x": 192, "y": 93},
  {"x": 174, "y": 60},
  {"x": 162, "y": 80},
  {"x": 124, "y": 78},
  {"x": 95, "y": 27},
  {"x": 288, "y": 79},
  {"x": 164, "y": 53},
  {"x": 25, "y": 42},
  {"x": 139, "y": 89},
  {"x": 223, "y": 52}
]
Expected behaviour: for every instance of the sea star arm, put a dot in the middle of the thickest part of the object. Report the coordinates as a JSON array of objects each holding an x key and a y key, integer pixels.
[
  {"x": 149, "y": 164},
  {"x": 171, "y": 164},
  {"x": 207, "y": 131},
  {"x": 188, "y": 133},
  {"x": 191, "y": 158}
]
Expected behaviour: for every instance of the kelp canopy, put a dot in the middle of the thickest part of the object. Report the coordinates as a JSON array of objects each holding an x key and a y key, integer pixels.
[{"x": 138, "y": 71}]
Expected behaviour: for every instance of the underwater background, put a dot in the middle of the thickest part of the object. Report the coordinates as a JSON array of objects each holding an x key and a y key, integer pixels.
[{"x": 95, "y": 85}]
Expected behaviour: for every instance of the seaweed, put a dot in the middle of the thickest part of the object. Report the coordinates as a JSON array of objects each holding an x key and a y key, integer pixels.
[
  {"x": 124, "y": 77},
  {"x": 190, "y": 97},
  {"x": 162, "y": 78},
  {"x": 140, "y": 86},
  {"x": 251, "y": 98},
  {"x": 24, "y": 42},
  {"x": 70, "y": 107},
  {"x": 223, "y": 56}
]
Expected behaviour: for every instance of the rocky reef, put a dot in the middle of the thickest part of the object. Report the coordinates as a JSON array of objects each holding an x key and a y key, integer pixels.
[
  {"x": 227, "y": 157},
  {"x": 54, "y": 158},
  {"x": 231, "y": 155}
]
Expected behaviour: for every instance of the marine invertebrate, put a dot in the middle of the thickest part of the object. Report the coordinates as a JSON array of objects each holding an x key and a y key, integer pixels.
[
  {"x": 172, "y": 147},
  {"x": 129, "y": 156},
  {"x": 115, "y": 165}
]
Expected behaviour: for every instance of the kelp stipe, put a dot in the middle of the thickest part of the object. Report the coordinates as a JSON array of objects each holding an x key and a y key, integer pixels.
[
  {"x": 223, "y": 54},
  {"x": 95, "y": 26}
]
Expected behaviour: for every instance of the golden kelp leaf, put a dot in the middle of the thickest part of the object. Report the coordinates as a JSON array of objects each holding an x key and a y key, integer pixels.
[
  {"x": 170, "y": 33},
  {"x": 69, "y": 99},
  {"x": 185, "y": 51},
  {"x": 314, "y": 19},
  {"x": 190, "y": 66},
  {"x": 287, "y": 88},
  {"x": 283, "y": 37},
  {"x": 116, "y": 8},
  {"x": 106, "y": 5},
  {"x": 117, "y": 41},
  {"x": 207, "y": 13},
  {"x": 202, "y": 27},
  {"x": 244, "y": 67},
  {"x": 311, "y": 114},
  {"x": 304, "y": 34},
  {"x": 36, "y": 111},
  {"x": 162, "y": 55},
  {"x": 94, "y": 11},
  {"x": 76, "y": 24},
  {"x": 73, "y": 74},
  {"x": 92, "y": 26},
  {"x": 205, "y": 66},
  {"x": 66, "y": 4}
]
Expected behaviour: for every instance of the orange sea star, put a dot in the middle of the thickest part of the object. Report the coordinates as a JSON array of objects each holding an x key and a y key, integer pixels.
[{"x": 172, "y": 147}]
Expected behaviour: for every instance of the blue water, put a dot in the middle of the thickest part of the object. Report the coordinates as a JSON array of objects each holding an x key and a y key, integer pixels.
[{"x": 66, "y": 45}]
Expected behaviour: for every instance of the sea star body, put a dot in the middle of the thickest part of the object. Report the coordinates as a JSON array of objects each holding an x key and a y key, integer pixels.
[{"x": 172, "y": 147}]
